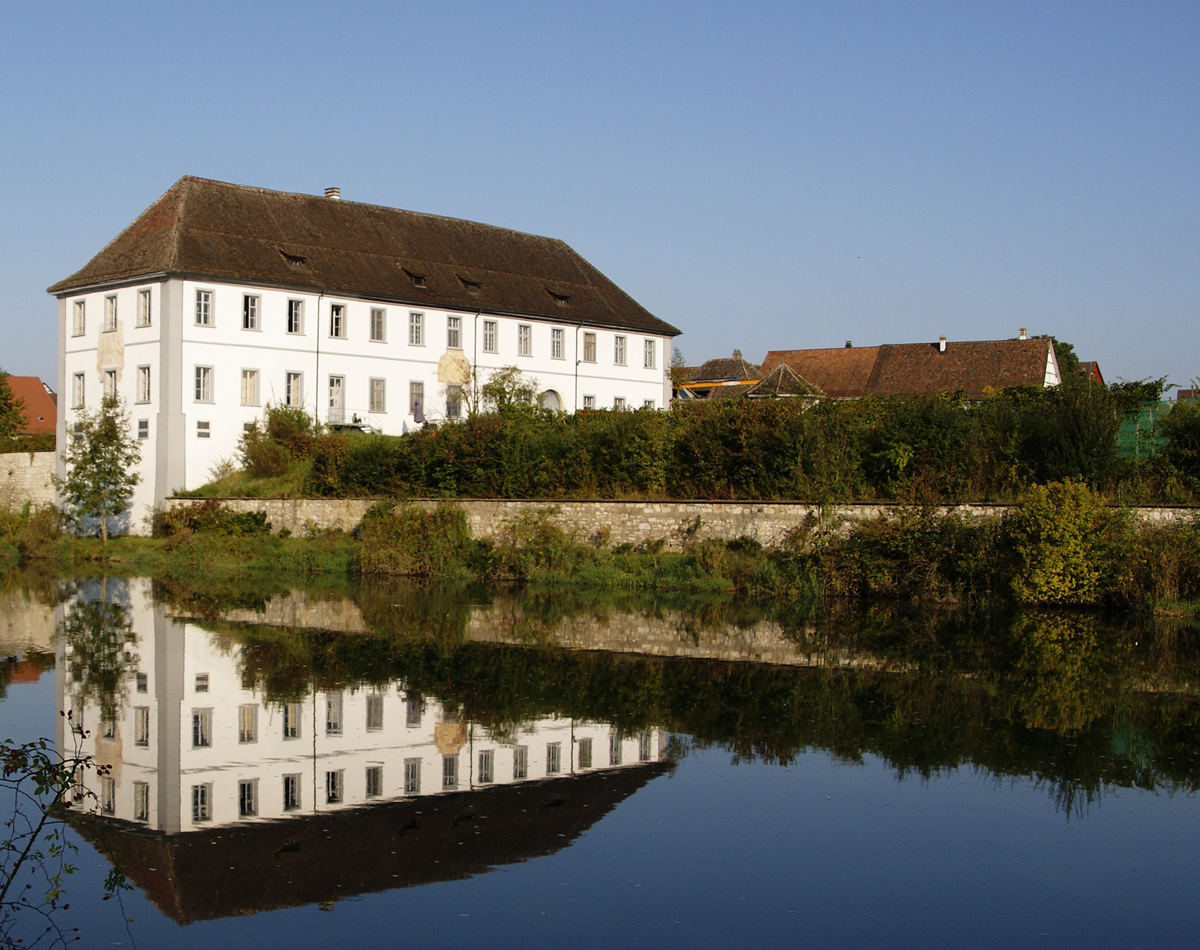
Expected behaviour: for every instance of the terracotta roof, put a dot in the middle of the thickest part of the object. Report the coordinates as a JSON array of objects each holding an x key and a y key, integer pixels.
[
  {"x": 839, "y": 373},
  {"x": 908, "y": 368},
  {"x": 210, "y": 229},
  {"x": 41, "y": 412}
]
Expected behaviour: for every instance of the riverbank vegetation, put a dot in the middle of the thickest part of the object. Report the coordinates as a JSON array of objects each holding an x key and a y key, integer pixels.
[{"x": 920, "y": 449}]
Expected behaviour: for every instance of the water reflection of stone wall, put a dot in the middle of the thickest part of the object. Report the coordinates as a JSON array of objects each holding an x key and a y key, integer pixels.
[
  {"x": 26, "y": 625},
  {"x": 663, "y": 633}
]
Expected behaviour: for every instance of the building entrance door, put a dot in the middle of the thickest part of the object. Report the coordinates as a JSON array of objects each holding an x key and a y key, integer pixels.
[{"x": 337, "y": 400}]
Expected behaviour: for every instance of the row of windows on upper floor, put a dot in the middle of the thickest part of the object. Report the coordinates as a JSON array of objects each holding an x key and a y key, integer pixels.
[
  {"x": 293, "y": 394},
  {"x": 335, "y": 780},
  {"x": 339, "y": 328}
]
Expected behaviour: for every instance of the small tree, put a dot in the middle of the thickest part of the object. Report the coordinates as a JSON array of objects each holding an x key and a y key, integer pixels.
[
  {"x": 508, "y": 388},
  {"x": 101, "y": 460},
  {"x": 12, "y": 410}
]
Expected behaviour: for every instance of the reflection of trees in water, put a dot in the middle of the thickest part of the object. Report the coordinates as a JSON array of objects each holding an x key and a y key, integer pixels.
[
  {"x": 1063, "y": 673},
  {"x": 101, "y": 657}
]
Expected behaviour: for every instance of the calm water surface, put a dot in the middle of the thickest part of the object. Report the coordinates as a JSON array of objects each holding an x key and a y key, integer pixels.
[{"x": 388, "y": 765}]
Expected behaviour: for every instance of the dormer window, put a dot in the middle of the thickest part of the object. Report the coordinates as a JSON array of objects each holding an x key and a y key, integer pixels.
[
  {"x": 294, "y": 260},
  {"x": 471, "y": 285},
  {"x": 560, "y": 299},
  {"x": 417, "y": 279}
]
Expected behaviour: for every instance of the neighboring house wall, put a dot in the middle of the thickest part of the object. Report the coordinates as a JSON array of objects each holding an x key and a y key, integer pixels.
[{"x": 26, "y": 478}]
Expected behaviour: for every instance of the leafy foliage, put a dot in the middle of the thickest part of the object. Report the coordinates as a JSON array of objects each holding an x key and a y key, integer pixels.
[{"x": 101, "y": 460}]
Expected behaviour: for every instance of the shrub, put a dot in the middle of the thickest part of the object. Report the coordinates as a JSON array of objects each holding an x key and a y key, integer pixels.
[
  {"x": 1063, "y": 539},
  {"x": 408, "y": 540},
  {"x": 210, "y": 517},
  {"x": 329, "y": 453}
]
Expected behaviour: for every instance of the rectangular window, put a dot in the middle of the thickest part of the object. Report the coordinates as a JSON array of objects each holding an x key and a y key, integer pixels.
[
  {"x": 204, "y": 383},
  {"x": 248, "y": 798},
  {"x": 416, "y": 329},
  {"x": 374, "y": 781},
  {"x": 589, "y": 402},
  {"x": 333, "y": 714},
  {"x": 141, "y": 725},
  {"x": 291, "y": 792},
  {"x": 553, "y": 758},
  {"x": 143, "y": 384},
  {"x": 293, "y": 389},
  {"x": 647, "y": 403},
  {"x": 374, "y": 712},
  {"x": 378, "y": 395},
  {"x": 201, "y": 682},
  {"x": 249, "y": 312},
  {"x": 619, "y": 350},
  {"x": 413, "y": 707},
  {"x": 204, "y": 314},
  {"x": 449, "y": 771},
  {"x": 412, "y": 776},
  {"x": 333, "y": 786},
  {"x": 291, "y": 720},
  {"x": 454, "y": 333},
  {"x": 143, "y": 311},
  {"x": 110, "y": 383},
  {"x": 524, "y": 339},
  {"x": 453, "y": 402},
  {"x": 520, "y": 762},
  {"x": 79, "y": 321},
  {"x": 77, "y": 391},
  {"x": 143, "y": 428},
  {"x": 619, "y": 403},
  {"x": 203, "y": 430},
  {"x": 487, "y": 766},
  {"x": 489, "y": 336},
  {"x": 201, "y": 728},
  {"x": 108, "y": 795},
  {"x": 337, "y": 320},
  {"x": 614, "y": 749},
  {"x": 644, "y": 747},
  {"x": 141, "y": 801},
  {"x": 249, "y": 387},
  {"x": 202, "y": 802},
  {"x": 110, "y": 313},
  {"x": 650, "y": 355},
  {"x": 295, "y": 321},
  {"x": 108, "y": 728},
  {"x": 556, "y": 344},
  {"x": 416, "y": 397},
  {"x": 378, "y": 325},
  {"x": 585, "y": 753},
  {"x": 143, "y": 683},
  {"x": 589, "y": 347},
  {"x": 248, "y": 722}
]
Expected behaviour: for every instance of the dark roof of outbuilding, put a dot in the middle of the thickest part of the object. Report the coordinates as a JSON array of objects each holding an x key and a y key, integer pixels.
[
  {"x": 908, "y": 368},
  {"x": 211, "y": 229},
  {"x": 721, "y": 369}
]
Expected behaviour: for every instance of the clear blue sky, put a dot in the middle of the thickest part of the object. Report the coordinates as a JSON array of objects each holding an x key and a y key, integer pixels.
[{"x": 760, "y": 175}]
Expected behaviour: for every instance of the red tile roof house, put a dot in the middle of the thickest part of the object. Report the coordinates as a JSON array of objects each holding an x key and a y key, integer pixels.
[
  {"x": 902, "y": 369},
  {"x": 41, "y": 404}
]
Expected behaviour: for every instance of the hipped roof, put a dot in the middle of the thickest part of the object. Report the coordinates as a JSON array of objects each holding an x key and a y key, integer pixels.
[
  {"x": 911, "y": 368},
  {"x": 210, "y": 229}
]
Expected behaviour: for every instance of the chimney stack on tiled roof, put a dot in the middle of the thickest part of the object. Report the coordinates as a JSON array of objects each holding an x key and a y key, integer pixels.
[
  {"x": 941, "y": 344},
  {"x": 1022, "y": 334},
  {"x": 849, "y": 344},
  {"x": 334, "y": 193}
]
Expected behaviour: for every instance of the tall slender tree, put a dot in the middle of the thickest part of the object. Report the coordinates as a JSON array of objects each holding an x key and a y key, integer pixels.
[
  {"x": 101, "y": 461},
  {"x": 12, "y": 410}
]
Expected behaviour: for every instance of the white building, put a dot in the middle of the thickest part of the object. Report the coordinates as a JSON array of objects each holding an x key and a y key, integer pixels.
[{"x": 220, "y": 299}]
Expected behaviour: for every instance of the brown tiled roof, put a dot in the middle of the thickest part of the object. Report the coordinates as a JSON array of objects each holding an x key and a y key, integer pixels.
[
  {"x": 907, "y": 368},
  {"x": 1091, "y": 370},
  {"x": 210, "y": 229},
  {"x": 839, "y": 373},
  {"x": 41, "y": 412},
  {"x": 733, "y": 367}
]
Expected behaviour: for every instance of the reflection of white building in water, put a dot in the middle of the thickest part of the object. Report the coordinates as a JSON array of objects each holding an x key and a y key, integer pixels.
[{"x": 193, "y": 745}]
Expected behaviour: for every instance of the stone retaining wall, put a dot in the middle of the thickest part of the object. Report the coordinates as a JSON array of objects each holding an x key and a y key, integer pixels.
[
  {"x": 618, "y": 522},
  {"x": 26, "y": 477}
]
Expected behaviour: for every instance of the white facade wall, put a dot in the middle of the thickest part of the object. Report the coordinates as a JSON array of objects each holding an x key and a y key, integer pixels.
[{"x": 180, "y": 451}]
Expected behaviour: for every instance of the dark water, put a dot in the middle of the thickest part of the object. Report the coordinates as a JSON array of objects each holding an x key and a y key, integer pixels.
[{"x": 490, "y": 769}]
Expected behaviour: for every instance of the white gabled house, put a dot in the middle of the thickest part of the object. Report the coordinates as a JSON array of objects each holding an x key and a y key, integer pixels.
[{"x": 222, "y": 298}]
